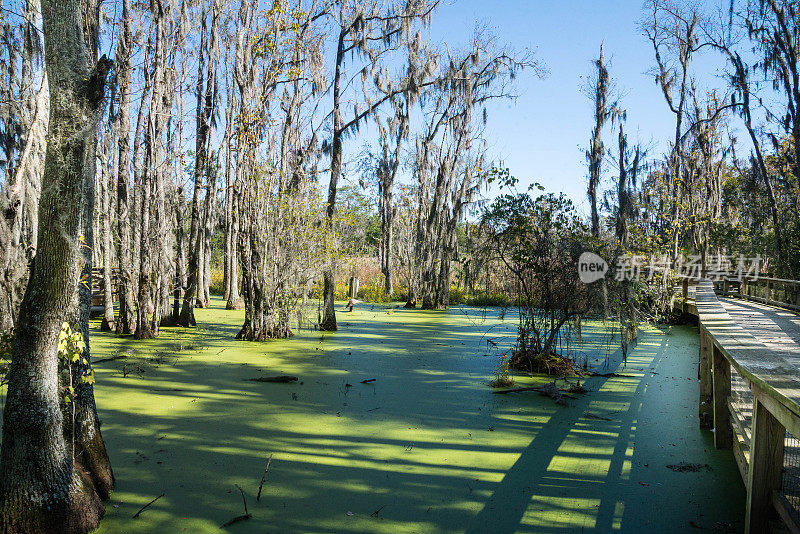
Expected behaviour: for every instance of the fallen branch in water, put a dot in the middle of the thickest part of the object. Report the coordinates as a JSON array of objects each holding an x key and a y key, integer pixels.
[
  {"x": 279, "y": 379},
  {"x": 143, "y": 508},
  {"x": 609, "y": 375},
  {"x": 516, "y": 390},
  {"x": 576, "y": 388},
  {"x": 263, "y": 478},
  {"x": 376, "y": 512},
  {"x": 247, "y": 515},
  {"x": 111, "y": 359},
  {"x": 548, "y": 390}
]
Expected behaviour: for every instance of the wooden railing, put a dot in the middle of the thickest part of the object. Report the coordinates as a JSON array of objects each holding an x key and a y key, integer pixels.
[
  {"x": 778, "y": 292},
  {"x": 767, "y": 290},
  {"x": 750, "y": 395},
  {"x": 686, "y": 304}
]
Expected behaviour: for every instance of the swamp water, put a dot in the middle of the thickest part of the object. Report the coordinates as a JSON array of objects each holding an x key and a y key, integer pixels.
[{"x": 425, "y": 447}]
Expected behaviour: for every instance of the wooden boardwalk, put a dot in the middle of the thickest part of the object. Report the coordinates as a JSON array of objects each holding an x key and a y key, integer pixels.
[
  {"x": 749, "y": 371},
  {"x": 776, "y": 328}
]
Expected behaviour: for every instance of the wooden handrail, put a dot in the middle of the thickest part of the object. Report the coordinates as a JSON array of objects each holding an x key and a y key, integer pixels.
[{"x": 791, "y": 291}]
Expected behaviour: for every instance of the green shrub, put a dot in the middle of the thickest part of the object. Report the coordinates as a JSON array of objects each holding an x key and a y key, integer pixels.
[
  {"x": 215, "y": 285},
  {"x": 457, "y": 295},
  {"x": 502, "y": 373},
  {"x": 6, "y": 339},
  {"x": 490, "y": 298},
  {"x": 374, "y": 293},
  {"x": 342, "y": 291},
  {"x": 481, "y": 298},
  {"x": 401, "y": 294}
]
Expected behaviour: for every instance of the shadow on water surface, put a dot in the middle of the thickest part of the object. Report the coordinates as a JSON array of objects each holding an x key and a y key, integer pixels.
[{"x": 426, "y": 447}]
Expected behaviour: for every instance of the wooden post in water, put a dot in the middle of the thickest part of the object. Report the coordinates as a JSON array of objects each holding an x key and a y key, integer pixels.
[
  {"x": 766, "y": 466},
  {"x": 723, "y": 433},
  {"x": 353, "y": 287},
  {"x": 706, "y": 411}
]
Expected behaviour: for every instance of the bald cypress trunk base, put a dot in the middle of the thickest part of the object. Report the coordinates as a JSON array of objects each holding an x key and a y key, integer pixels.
[
  {"x": 254, "y": 333},
  {"x": 328, "y": 323},
  {"x": 186, "y": 318},
  {"x": 79, "y": 512},
  {"x": 237, "y": 304}
]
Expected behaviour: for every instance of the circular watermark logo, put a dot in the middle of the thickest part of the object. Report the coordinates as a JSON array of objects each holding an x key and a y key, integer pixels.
[{"x": 591, "y": 267}]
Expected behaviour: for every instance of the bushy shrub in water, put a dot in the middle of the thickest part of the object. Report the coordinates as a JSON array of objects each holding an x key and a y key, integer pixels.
[
  {"x": 215, "y": 285},
  {"x": 375, "y": 293}
]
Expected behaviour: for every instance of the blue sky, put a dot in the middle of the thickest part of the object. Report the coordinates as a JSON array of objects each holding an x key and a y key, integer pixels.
[{"x": 543, "y": 136}]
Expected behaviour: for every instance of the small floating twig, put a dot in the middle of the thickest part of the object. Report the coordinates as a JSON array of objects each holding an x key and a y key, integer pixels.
[
  {"x": 263, "y": 478},
  {"x": 143, "y": 508},
  {"x": 376, "y": 512},
  {"x": 247, "y": 515}
]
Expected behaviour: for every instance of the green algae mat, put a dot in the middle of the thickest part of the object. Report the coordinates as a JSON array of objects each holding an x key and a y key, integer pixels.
[{"x": 424, "y": 447}]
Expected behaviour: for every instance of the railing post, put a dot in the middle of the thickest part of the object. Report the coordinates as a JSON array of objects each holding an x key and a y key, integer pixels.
[
  {"x": 706, "y": 411},
  {"x": 766, "y": 466},
  {"x": 684, "y": 306},
  {"x": 723, "y": 433}
]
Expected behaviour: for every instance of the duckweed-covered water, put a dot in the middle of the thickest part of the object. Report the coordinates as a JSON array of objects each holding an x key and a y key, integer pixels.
[{"x": 425, "y": 447}]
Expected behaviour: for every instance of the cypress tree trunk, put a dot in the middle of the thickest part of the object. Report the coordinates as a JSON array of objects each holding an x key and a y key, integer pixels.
[
  {"x": 387, "y": 238},
  {"x": 208, "y": 233},
  {"x": 201, "y": 267},
  {"x": 235, "y": 301},
  {"x": 41, "y": 489},
  {"x": 204, "y": 241},
  {"x": 180, "y": 258},
  {"x": 228, "y": 202},
  {"x": 81, "y": 425},
  {"x": 127, "y": 322},
  {"x": 163, "y": 265},
  {"x": 144, "y": 302},
  {"x": 136, "y": 214},
  {"x": 445, "y": 268},
  {"x": 107, "y": 323},
  {"x": 152, "y": 194},
  {"x": 329, "y": 278},
  {"x": 261, "y": 319},
  {"x": 205, "y": 105}
]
